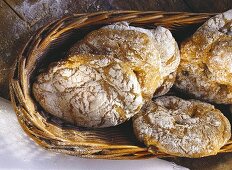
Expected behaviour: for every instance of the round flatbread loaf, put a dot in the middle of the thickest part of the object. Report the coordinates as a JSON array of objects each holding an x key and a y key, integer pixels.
[
  {"x": 205, "y": 69},
  {"x": 182, "y": 128},
  {"x": 153, "y": 54},
  {"x": 89, "y": 90}
]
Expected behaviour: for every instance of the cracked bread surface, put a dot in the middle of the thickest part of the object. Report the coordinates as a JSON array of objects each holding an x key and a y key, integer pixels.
[
  {"x": 186, "y": 128},
  {"x": 153, "y": 54},
  {"x": 205, "y": 70},
  {"x": 89, "y": 90}
]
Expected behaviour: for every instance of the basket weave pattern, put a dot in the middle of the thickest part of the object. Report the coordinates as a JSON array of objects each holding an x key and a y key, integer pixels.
[{"x": 50, "y": 44}]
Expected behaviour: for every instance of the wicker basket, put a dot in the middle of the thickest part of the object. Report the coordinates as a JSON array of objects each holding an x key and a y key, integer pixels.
[{"x": 51, "y": 43}]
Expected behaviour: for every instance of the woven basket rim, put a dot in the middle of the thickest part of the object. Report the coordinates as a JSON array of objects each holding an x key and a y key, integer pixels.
[
  {"x": 46, "y": 134},
  {"x": 145, "y": 12}
]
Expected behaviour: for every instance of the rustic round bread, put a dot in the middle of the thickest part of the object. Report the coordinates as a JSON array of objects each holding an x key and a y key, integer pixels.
[
  {"x": 182, "y": 128},
  {"x": 153, "y": 54},
  {"x": 89, "y": 90},
  {"x": 205, "y": 69}
]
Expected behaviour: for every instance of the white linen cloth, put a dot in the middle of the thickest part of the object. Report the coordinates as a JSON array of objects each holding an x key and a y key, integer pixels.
[{"x": 18, "y": 151}]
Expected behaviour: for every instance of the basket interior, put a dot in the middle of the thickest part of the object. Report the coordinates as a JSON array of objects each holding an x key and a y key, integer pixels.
[
  {"x": 57, "y": 50},
  {"x": 51, "y": 43}
]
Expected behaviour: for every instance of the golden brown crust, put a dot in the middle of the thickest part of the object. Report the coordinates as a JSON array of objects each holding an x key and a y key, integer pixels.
[
  {"x": 128, "y": 44},
  {"x": 182, "y": 128},
  {"x": 153, "y": 54},
  {"x": 166, "y": 86},
  {"x": 168, "y": 49},
  {"x": 206, "y": 64},
  {"x": 89, "y": 90},
  {"x": 170, "y": 58}
]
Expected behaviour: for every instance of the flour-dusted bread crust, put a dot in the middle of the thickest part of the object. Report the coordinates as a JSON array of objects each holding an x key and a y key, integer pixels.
[
  {"x": 128, "y": 44},
  {"x": 170, "y": 58},
  {"x": 166, "y": 86},
  {"x": 168, "y": 48},
  {"x": 206, "y": 61},
  {"x": 182, "y": 128},
  {"x": 153, "y": 54},
  {"x": 89, "y": 90}
]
